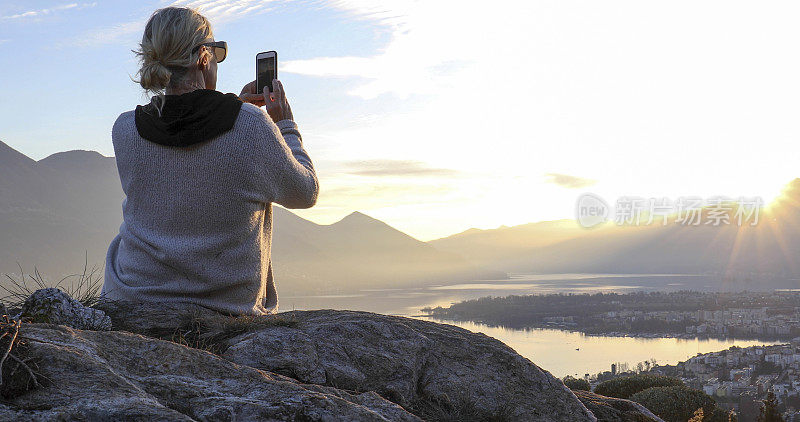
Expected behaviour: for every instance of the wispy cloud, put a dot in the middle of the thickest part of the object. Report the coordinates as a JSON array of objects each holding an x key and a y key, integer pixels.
[
  {"x": 568, "y": 181},
  {"x": 217, "y": 11},
  {"x": 42, "y": 12},
  {"x": 385, "y": 167},
  {"x": 417, "y": 36},
  {"x": 369, "y": 196},
  {"x": 109, "y": 34},
  {"x": 224, "y": 11}
]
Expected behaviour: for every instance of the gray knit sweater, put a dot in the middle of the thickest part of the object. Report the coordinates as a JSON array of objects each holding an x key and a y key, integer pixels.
[{"x": 197, "y": 220}]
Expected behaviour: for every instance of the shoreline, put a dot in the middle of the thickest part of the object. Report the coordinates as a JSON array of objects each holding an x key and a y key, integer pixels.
[{"x": 783, "y": 340}]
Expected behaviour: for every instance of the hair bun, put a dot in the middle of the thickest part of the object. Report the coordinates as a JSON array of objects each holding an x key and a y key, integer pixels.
[{"x": 154, "y": 76}]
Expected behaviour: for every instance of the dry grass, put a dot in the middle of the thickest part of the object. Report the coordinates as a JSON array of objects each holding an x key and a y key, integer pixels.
[
  {"x": 194, "y": 326},
  {"x": 18, "y": 373},
  {"x": 86, "y": 289},
  {"x": 456, "y": 409},
  {"x": 212, "y": 333}
]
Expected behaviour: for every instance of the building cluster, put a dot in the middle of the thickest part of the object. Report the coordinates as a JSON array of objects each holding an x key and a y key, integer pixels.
[
  {"x": 735, "y": 322},
  {"x": 739, "y": 378},
  {"x": 685, "y": 313}
]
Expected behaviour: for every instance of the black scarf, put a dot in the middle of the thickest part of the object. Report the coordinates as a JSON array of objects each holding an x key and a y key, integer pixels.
[{"x": 188, "y": 118}]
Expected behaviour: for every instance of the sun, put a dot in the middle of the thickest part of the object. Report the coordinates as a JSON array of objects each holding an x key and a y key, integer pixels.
[{"x": 786, "y": 193}]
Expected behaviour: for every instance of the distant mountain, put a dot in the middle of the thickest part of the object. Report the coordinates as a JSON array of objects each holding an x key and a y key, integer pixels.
[
  {"x": 360, "y": 252},
  {"x": 53, "y": 213},
  {"x": 55, "y": 210},
  {"x": 768, "y": 250},
  {"x": 21, "y": 182},
  {"x": 504, "y": 247}
]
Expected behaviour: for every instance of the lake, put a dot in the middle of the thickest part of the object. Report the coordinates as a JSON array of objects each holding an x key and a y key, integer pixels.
[
  {"x": 571, "y": 353},
  {"x": 560, "y": 352}
]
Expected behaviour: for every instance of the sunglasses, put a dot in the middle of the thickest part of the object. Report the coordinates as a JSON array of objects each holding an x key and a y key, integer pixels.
[{"x": 220, "y": 49}]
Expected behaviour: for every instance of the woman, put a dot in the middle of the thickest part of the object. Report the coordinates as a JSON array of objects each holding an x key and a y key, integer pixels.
[{"x": 200, "y": 171}]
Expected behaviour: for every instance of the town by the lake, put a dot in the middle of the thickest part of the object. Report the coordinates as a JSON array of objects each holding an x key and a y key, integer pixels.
[{"x": 738, "y": 378}]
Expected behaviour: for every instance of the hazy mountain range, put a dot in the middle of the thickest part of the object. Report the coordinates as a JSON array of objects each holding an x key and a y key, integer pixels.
[
  {"x": 768, "y": 250},
  {"x": 55, "y": 210}
]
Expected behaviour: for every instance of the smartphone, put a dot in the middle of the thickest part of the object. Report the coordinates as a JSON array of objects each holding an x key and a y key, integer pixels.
[{"x": 266, "y": 70}]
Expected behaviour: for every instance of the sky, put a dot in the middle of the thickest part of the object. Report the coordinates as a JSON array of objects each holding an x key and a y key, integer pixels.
[{"x": 437, "y": 116}]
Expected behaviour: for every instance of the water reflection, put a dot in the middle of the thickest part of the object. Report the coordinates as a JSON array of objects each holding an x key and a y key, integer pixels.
[{"x": 570, "y": 353}]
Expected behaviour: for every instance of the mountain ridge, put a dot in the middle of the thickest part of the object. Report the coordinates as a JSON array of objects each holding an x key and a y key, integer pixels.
[
  {"x": 763, "y": 253},
  {"x": 69, "y": 205},
  {"x": 359, "y": 251}
]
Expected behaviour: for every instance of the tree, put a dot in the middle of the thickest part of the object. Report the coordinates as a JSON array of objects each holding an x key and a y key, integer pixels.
[
  {"x": 625, "y": 387},
  {"x": 577, "y": 383},
  {"x": 680, "y": 403},
  {"x": 769, "y": 409}
]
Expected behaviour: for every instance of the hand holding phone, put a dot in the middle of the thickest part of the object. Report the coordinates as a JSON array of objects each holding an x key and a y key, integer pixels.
[
  {"x": 277, "y": 104},
  {"x": 267, "y": 89}
]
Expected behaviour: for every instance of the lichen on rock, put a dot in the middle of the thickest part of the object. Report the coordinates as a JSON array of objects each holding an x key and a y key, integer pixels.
[{"x": 53, "y": 306}]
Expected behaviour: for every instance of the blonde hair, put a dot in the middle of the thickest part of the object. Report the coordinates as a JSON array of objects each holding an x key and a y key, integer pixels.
[{"x": 165, "y": 52}]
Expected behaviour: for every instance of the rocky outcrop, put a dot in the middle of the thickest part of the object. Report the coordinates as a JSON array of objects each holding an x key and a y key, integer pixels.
[
  {"x": 609, "y": 409},
  {"x": 435, "y": 371},
  {"x": 110, "y": 376},
  {"x": 420, "y": 365},
  {"x": 321, "y": 365}
]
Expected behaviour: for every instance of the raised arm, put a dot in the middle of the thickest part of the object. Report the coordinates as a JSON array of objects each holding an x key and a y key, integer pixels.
[
  {"x": 298, "y": 187},
  {"x": 286, "y": 169},
  {"x": 281, "y": 170}
]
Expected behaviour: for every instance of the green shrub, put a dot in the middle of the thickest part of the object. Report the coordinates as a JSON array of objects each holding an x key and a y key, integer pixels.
[
  {"x": 679, "y": 404},
  {"x": 577, "y": 383},
  {"x": 625, "y": 387}
]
